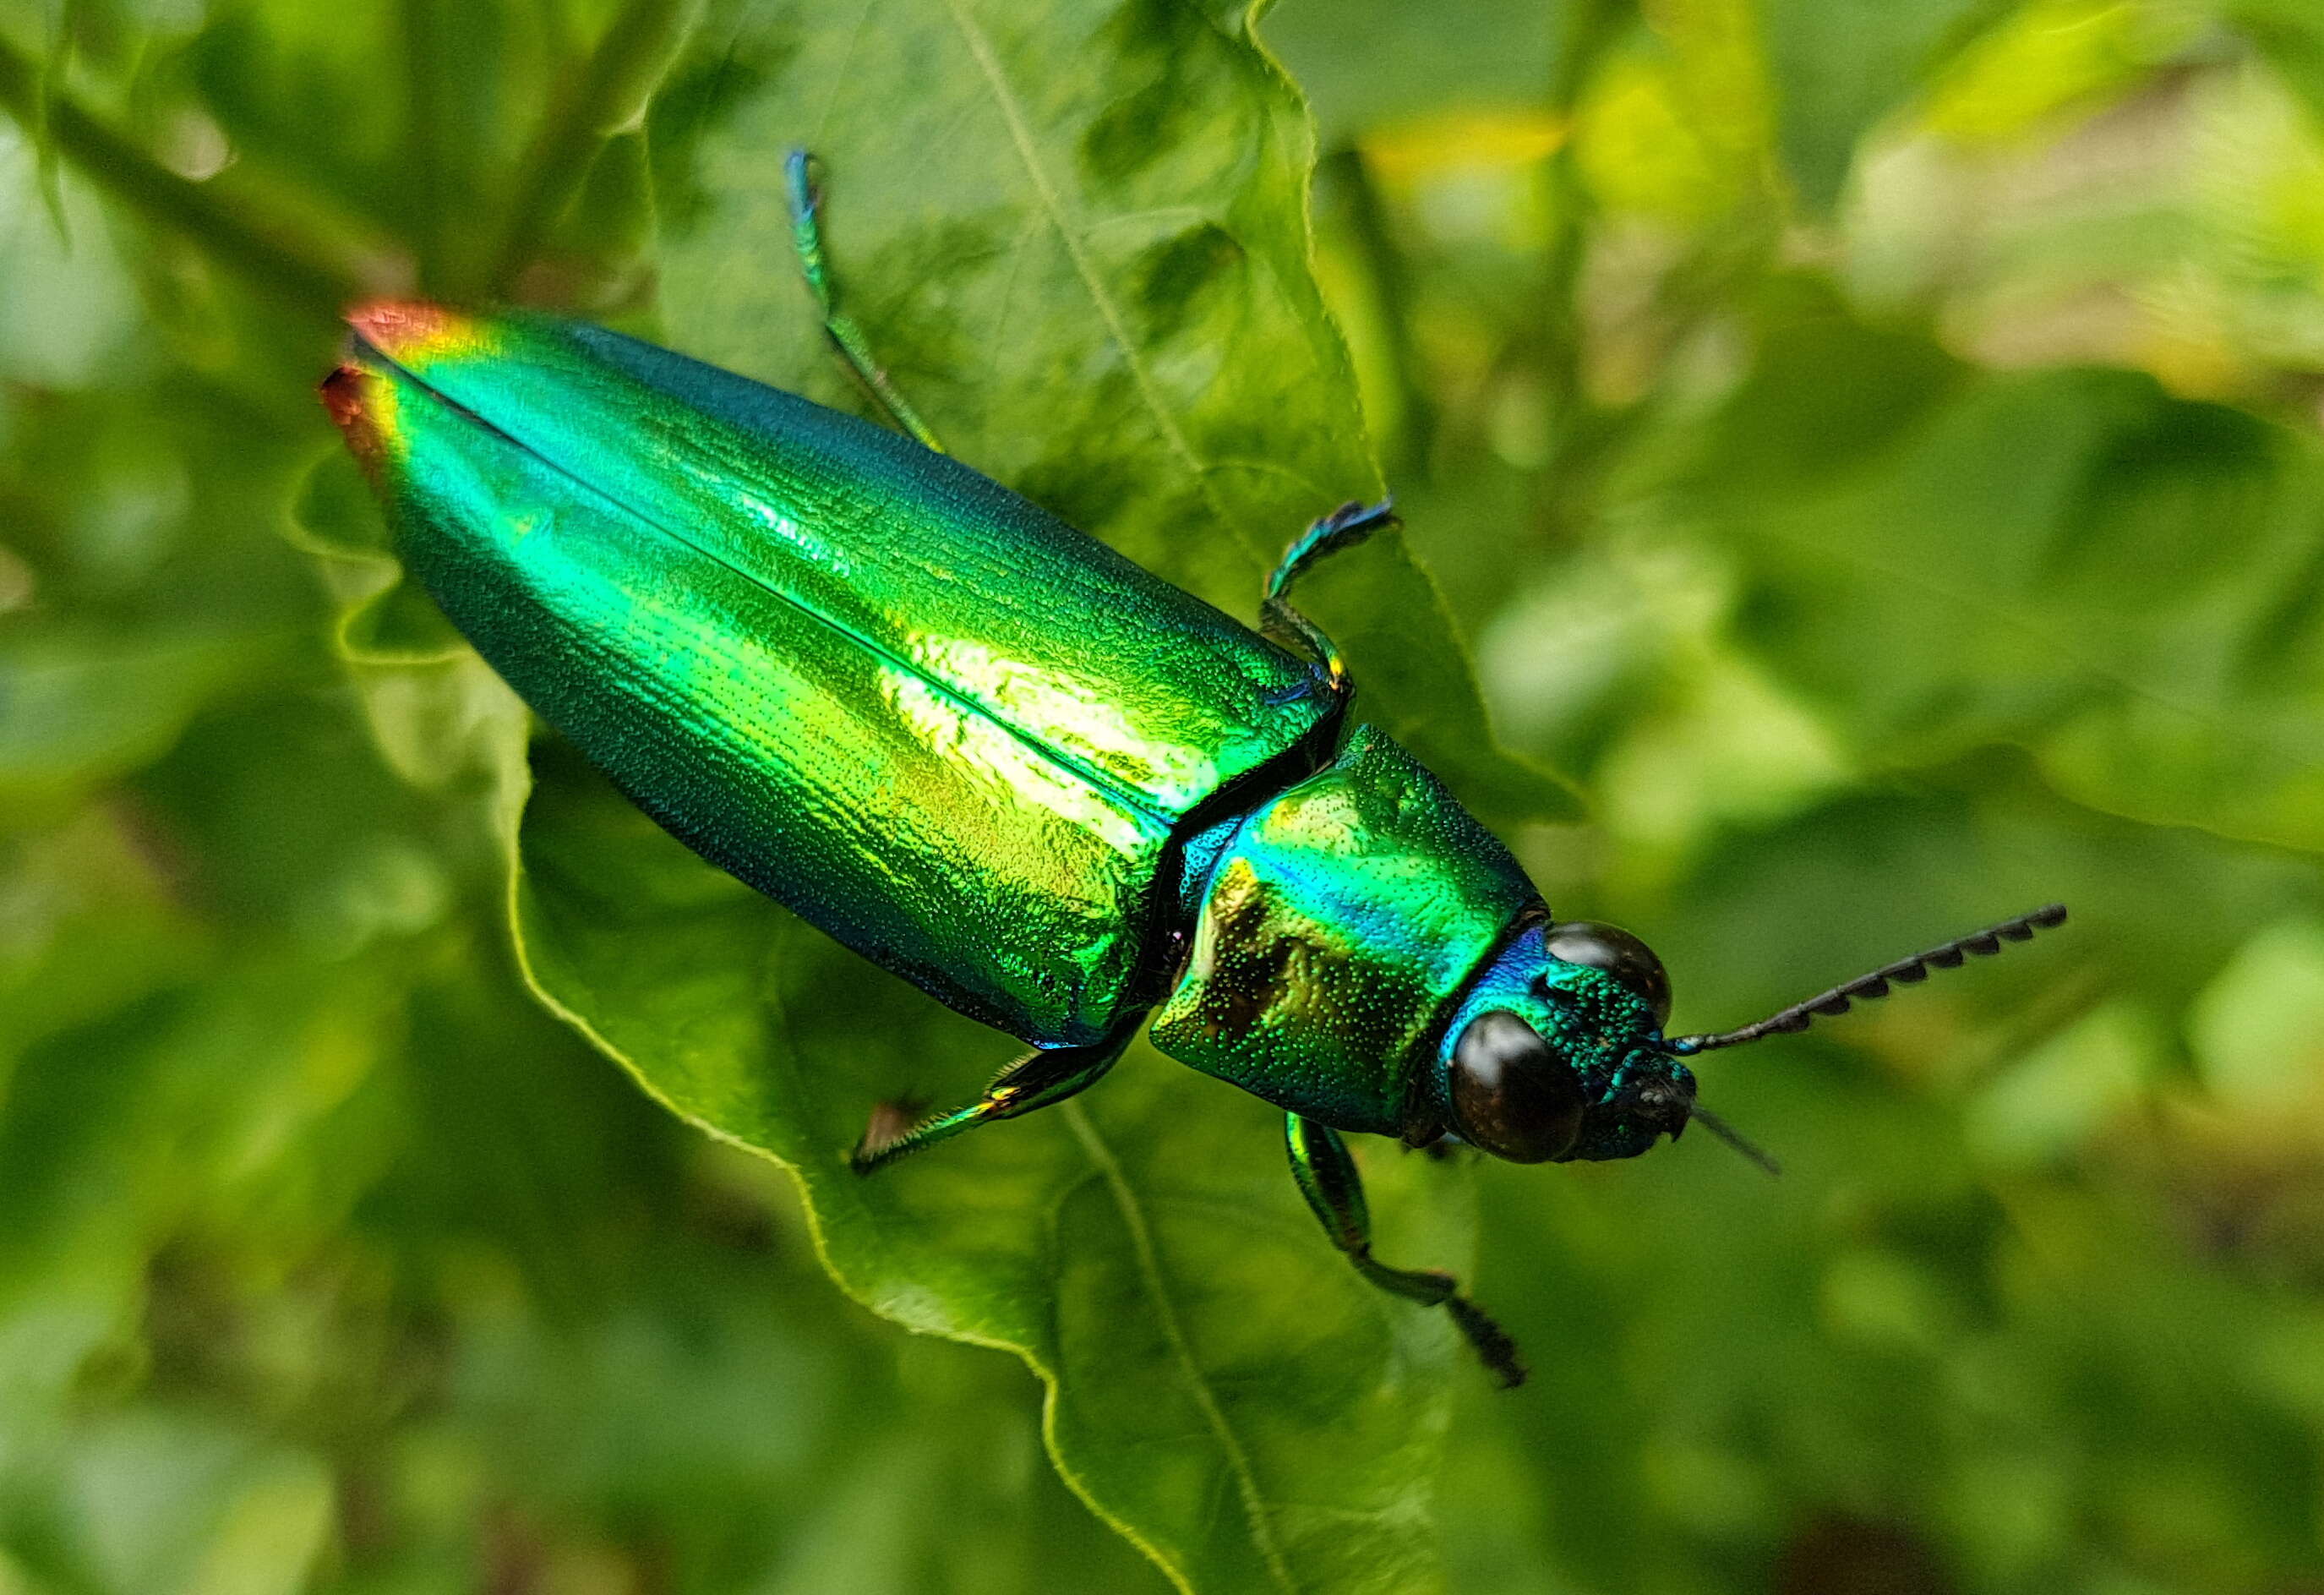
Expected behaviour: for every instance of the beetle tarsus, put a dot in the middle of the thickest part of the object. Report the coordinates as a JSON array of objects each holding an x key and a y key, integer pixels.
[
  {"x": 1489, "y": 1340},
  {"x": 891, "y": 1123},
  {"x": 1343, "y": 527},
  {"x": 1041, "y": 1080},
  {"x": 805, "y": 193},
  {"x": 1326, "y": 1175}
]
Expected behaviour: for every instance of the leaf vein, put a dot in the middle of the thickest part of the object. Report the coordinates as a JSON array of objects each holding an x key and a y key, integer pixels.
[
  {"x": 1149, "y": 1268},
  {"x": 1053, "y": 204}
]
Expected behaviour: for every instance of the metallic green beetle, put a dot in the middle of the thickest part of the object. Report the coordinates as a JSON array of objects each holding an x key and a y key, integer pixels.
[{"x": 988, "y": 753}]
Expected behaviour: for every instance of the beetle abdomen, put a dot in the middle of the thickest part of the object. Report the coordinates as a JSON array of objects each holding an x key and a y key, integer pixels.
[{"x": 929, "y": 716}]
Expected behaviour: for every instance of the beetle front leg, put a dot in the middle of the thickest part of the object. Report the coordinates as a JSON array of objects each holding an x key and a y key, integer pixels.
[
  {"x": 1047, "y": 1077},
  {"x": 807, "y": 237},
  {"x": 1343, "y": 527},
  {"x": 1327, "y": 1177}
]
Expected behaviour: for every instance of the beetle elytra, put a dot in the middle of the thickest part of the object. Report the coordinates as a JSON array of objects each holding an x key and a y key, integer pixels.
[{"x": 988, "y": 753}]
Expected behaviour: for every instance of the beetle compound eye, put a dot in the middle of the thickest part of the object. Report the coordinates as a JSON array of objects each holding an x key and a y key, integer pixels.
[
  {"x": 1631, "y": 963},
  {"x": 1511, "y": 1095}
]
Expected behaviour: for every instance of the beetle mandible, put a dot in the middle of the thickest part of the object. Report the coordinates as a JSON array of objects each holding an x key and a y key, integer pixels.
[{"x": 991, "y": 755}]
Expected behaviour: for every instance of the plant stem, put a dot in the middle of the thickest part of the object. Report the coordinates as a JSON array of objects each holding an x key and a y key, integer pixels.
[
  {"x": 267, "y": 251},
  {"x": 608, "y": 96}
]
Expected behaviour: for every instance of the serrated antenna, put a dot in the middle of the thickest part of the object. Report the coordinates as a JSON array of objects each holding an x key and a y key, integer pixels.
[{"x": 1867, "y": 988}]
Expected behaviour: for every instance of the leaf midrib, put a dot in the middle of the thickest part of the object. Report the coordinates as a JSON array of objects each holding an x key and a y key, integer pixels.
[
  {"x": 1198, "y": 1385},
  {"x": 1117, "y": 329}
]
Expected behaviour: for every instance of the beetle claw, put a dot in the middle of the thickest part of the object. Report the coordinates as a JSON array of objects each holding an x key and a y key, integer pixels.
[
  {"x": 1493, "y": 1346},
  {"x": 891, "y": 1121}
]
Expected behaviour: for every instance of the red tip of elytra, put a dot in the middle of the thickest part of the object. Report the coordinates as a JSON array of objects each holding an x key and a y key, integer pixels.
[
  {"x": 389, "y": 325},
  {"x": 343, "y": 397}
]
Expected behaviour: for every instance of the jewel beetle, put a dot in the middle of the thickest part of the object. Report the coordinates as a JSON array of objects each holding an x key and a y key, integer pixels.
[{"x": 988, "y": 753}]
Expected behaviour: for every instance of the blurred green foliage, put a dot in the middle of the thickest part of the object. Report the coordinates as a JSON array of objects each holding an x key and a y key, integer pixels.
[{"x": 1871, "y": 449}]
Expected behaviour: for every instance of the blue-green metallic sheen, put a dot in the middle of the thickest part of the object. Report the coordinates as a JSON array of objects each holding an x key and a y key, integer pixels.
[
  {"x": 923, "y": 713},
  {"x": 1603, "y": 1030},
  {"x": 996, "y": 757},
  {"x": 1339, "y": 923},
  {"x": 969, "y": 742}
]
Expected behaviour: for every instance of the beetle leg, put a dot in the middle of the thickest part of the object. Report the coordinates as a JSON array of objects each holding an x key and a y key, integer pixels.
[
  {"x": 1343, "y": 527},
  {"x": 807, "y": 237},
  {"x": 1047, "y": 1077},
  {"x": 1327, "y": 1177}
]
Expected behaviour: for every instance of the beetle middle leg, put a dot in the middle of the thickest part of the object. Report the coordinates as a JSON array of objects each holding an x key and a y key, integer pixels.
[
  {"x": 1046, "y": 1078},
  {"x": 806, "y": 196},
  {"x": 1327, "y": 1177},
  {"x": 1343, "y": 527}
]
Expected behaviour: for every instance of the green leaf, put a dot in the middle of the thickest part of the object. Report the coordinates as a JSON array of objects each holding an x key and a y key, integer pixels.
[
  {"x": 383, "y": 620},
  {"x": 160, "y": 1500},
  {"x": 2124, "y": 583},
  {"x": 1076, "y": 236},
  {"x": 1223, "y": 1388},
  {"x": 605, "y": 99}
]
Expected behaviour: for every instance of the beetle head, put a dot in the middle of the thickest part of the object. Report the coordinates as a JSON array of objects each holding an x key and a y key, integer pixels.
[{"x": 1557, "y": 1051}]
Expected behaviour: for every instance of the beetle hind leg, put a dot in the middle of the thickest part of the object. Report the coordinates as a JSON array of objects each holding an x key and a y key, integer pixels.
[
  {"x": 1343, "y": 527},
  {"x": 1046, "y": 1078},
  {"x": 805, "y": 195},
  {"x": 1327, "y": 1177}
]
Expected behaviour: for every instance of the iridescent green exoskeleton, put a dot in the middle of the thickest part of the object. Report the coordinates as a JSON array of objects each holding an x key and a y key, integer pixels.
[{"x": 991, "y": 755}]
